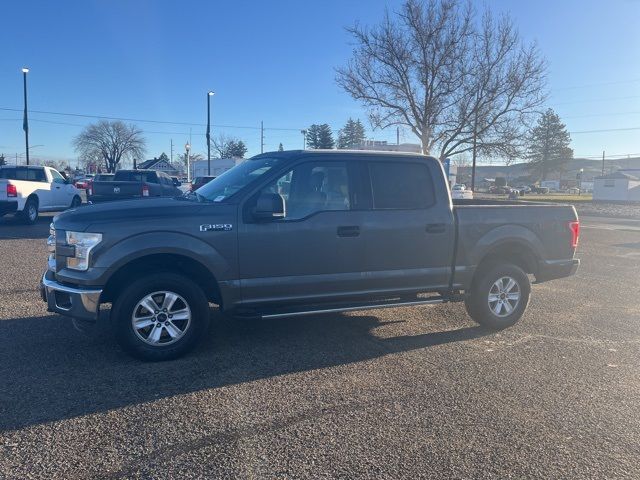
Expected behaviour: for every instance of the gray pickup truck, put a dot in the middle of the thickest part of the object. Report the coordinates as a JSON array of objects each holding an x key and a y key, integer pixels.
[
  {"x": 297, "y": 233},
  {"x": 129, "y": 184}
]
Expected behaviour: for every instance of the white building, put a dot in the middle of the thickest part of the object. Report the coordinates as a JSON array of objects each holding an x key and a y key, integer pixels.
[
  {"x": 616, "y": 187},
  {"x": 199, "y": 168},
  {"x": 383, "y": 145}
]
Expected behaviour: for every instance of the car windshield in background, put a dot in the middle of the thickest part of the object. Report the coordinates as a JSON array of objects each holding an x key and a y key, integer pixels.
[{"x": 232, "y": 181}]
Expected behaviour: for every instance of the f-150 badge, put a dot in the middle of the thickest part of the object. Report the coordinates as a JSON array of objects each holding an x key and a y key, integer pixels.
[{"x": 217, "y": 227}]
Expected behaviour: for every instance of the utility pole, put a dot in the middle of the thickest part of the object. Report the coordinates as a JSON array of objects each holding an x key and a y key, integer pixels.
[
  {"x": 261, "y": 136},
  {"x": 475, "y": 153},
  {"x": 25, "y": 122},
  {"x": 603, "y": 163},
  {"x": 209, "y": 95},
  {"x": 172, "y": 150},
  {"x": 304, "y": 139}
]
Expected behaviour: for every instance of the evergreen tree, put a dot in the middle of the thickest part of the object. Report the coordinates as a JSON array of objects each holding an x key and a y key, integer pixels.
[
  {"x": 352, "y": 135},
  {"x": 163, "y": 156},
  {"x": 320, "y": 136},
  {"x": 280, "y": 147},
  {"x": 548, "y": 145},
  {"x": 2, "y": 160},
  {"x": 236, "y": 148}
]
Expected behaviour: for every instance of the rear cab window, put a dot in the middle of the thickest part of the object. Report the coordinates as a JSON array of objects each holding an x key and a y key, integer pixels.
[
  {"x": 123, "y": 176},
  {"x": 22, "y": 173}
]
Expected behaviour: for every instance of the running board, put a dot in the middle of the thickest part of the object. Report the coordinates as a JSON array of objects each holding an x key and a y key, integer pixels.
[{"x": 353, "y": 308}]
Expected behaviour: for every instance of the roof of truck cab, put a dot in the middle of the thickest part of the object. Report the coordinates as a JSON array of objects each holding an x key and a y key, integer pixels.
[{"x": 354, "y": 153}]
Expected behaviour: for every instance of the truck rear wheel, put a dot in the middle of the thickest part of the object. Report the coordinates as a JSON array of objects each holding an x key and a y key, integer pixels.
[
  {"x": 30, "y": 212},
  {"x": 499, "y": 296},
  {"x": 160, "y": 317}
]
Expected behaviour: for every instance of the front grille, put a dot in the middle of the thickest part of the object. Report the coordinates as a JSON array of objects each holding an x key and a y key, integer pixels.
[{"x": 51, "y": 248}]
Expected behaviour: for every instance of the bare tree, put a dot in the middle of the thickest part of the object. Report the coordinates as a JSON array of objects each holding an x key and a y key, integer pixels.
[
  {"x": 450, "y": 77},
  {"x": 228, "y": 147},
  {"x": 110, "y": 142}
]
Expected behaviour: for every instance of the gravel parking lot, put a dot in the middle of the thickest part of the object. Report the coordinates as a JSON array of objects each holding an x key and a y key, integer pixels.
[{"x": 407, "y": 392}]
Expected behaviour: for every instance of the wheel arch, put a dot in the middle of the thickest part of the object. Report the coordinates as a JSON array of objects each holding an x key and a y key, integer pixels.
[{"x": 162, "y": 262}]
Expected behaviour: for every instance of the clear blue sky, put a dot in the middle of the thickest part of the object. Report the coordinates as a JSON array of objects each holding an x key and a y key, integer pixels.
[{"x": 274, "y": 61}]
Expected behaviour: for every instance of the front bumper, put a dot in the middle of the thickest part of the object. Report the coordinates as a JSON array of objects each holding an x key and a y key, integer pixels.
[
  {"x": 552, "y": 269},
  {"x": 80, "y": 303}
]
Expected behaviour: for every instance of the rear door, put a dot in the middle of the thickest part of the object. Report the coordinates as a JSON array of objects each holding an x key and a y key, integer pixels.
[
  {"x": 315, "y": 252},
  {"x": 408, "y": 230}
]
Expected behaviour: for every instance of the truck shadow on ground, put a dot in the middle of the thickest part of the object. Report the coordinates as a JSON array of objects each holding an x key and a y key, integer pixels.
[
  {"x": 14, "y": 228},
  {"x": 50, "y": 372}
]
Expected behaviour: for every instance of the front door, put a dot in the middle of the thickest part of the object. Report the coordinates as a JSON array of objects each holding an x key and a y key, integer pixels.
[
  {"x": 60, "y": 191},
  {"x": 315, "y": 250}
]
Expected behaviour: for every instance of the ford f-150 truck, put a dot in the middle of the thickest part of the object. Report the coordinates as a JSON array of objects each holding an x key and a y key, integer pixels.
[
  {"x": 297, "y": 233},
  {"x": 28, "y": 190}
]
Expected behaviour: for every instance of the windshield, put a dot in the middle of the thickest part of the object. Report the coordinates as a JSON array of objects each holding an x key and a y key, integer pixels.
[{"x": 233, "y": 180}]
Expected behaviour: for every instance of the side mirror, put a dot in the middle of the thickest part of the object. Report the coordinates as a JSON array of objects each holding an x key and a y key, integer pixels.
[
  {"x": 269, "y": 206},
  {"x": 176, "y": 182}
]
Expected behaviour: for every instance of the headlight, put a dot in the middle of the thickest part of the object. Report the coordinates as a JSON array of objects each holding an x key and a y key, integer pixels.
[{"x": 84, "y": 243}]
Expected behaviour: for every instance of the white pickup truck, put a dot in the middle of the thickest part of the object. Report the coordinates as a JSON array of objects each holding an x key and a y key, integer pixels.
[{"x": 27, "y": 190}]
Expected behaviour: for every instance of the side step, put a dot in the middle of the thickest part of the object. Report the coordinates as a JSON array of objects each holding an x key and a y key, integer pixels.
[{"x": 351, "y": 308}]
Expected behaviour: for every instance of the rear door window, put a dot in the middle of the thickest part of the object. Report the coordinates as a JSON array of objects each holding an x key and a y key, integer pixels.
[{"x": 401, "y": 185}]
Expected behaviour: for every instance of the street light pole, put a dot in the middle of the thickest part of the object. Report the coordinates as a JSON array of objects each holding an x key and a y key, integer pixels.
[
  {"x": 187, "y": 147},
  {"x": 25, "y": 121},
  {"x": 209, "y": 95}
]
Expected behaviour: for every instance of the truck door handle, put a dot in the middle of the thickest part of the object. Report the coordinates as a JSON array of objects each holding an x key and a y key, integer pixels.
[
  {"x": 349, "y": 231},
  {"x": 435, "y": 228}
]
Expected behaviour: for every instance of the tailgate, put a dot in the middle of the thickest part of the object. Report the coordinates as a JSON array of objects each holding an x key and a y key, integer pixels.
[{"x": 117, "y": 190}]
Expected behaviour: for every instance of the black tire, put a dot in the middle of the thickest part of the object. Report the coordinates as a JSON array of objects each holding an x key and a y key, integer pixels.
[
  {"x": 478, "y": 303},
  {"x": 30, "y": 212},
  {"x": 126, "y": 306},
  {"x": 76, "y": 202}
]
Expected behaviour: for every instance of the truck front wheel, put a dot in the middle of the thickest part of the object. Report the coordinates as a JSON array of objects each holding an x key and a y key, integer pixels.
[
  {"x": 499, "y": 296},
  {"x": 160, "y": 317}
]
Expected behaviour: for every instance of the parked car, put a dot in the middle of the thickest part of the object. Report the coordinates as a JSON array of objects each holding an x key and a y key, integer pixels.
[
  {"x": 128, "y": 184},
  {"x": 200, "y": 181},
  {"x": 354, "y": 230},
  {"x": 459, "y": 187},
  {"x": 500, "y": 190},
  {"x": 83, "y": 182},
  {"x": 539, "y": 190},
  {"x": 28, "y": 190}
]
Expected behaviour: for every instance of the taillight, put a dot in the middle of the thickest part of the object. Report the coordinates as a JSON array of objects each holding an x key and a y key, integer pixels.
[
  {"x": 575, "y": 233},
  {"x": 145, "y": 190},
  {"x": 12, "y": 191}
]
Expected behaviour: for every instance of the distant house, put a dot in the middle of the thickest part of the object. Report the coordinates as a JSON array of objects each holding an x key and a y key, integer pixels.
[
  {"x": 616, "y": 187},
  {"x": 159, "y": 164}
]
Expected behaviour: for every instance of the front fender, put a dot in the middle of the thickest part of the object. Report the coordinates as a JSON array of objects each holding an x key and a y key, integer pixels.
[
  {"x": 144, "y": 244},
  {"x": 114, "y": 256}
]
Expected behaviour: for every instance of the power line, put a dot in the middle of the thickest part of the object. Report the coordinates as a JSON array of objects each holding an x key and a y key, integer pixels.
[
  {"x": 606, "y": 130},
  {"x": 618, "y": 82},
  {"x": 125, "y": 119},
  {"x": 597, "y": 100},
  {"x": 612, "y": 114}
]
